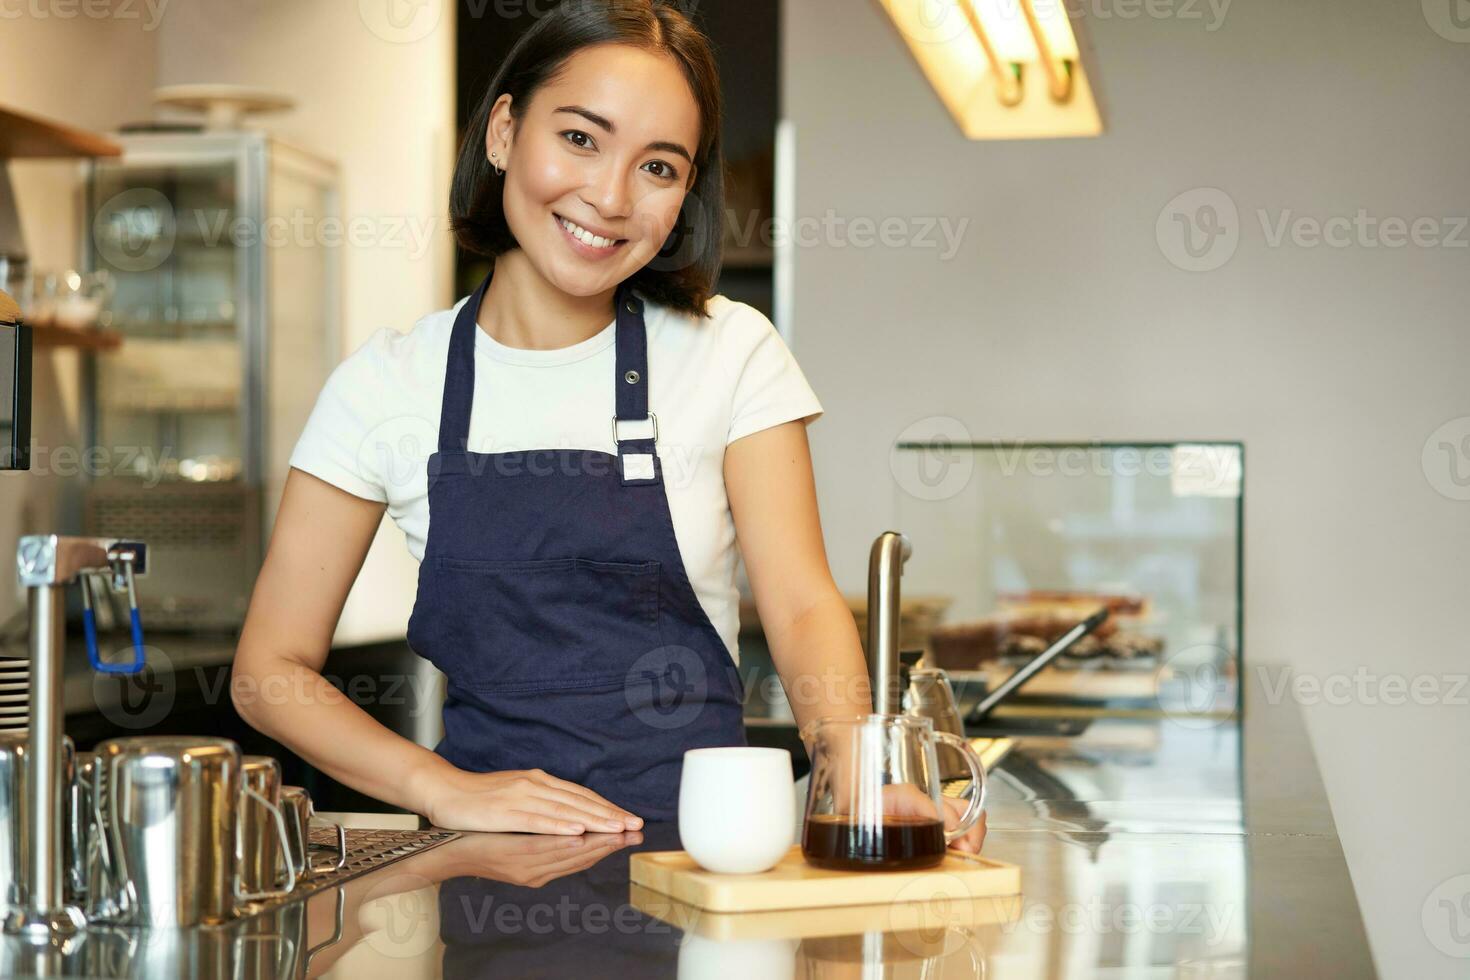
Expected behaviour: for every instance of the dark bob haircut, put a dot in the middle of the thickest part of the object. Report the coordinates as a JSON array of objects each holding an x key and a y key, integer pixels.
[{"x": 683, "y": 273}]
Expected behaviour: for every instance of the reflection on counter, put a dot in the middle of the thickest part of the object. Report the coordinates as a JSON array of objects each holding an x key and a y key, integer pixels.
[{"x": 930, "y": 938}]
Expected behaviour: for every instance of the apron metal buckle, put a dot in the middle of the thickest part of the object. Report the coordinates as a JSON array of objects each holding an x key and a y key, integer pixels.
[{"x": 651, "y": 417}]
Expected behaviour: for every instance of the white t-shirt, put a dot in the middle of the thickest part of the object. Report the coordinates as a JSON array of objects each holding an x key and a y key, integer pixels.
[{"x": 711, "y": 381}]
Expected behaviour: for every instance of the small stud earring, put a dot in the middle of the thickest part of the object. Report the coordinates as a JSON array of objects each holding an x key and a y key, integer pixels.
[{"x": 495, "y": 166}]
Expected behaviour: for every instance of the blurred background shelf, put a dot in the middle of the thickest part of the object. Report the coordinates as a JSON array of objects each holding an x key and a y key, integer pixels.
[
  {"x": 90, "y": 340},
  {"x": 27, "y": 137}
]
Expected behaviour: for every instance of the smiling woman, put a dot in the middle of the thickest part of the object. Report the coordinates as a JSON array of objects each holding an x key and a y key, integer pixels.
[
  {"x": 580, "y": 600},
  {"x": 606, "y": 162}
]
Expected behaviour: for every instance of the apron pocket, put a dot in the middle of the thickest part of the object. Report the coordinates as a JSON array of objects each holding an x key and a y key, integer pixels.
[{"x": 551, "y": 624}]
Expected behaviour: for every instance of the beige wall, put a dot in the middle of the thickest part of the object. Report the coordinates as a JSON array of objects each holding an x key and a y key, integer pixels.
[{"x": 1061, "y": 317}]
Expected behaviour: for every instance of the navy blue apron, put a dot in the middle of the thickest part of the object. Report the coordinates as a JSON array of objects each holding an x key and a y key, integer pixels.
[{"x": 553, "y": 597}]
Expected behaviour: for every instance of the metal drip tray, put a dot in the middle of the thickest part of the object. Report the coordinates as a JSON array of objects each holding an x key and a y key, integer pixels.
[{"x": 367, "y": 850}]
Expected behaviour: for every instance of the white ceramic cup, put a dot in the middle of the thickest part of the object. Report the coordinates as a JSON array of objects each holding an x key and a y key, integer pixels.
[{"x": 737, "y": 808}]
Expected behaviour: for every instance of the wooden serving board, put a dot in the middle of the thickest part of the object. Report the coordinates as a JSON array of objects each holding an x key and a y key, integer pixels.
[{"x": 794, "y": 884}]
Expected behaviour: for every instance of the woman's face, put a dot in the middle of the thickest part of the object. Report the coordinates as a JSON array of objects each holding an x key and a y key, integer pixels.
[{"x": 598, "y": 165}]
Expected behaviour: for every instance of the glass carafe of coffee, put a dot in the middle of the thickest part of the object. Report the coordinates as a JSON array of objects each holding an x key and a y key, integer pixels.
[{"x": 875, "y": 800}]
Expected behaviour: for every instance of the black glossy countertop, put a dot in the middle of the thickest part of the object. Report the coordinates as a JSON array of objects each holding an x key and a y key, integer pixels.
[{"x": 1161, "y": 847}]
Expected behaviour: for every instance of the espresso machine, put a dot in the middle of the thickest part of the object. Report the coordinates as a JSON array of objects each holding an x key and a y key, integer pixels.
[{"x": 46, "y": 564}]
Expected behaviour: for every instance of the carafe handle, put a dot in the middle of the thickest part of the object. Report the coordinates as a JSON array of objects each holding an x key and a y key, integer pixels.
[{"x": 977, "y": 773}]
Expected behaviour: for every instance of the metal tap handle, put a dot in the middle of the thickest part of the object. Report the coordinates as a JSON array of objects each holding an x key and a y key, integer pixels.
[
  {"x": 135, "y": 619},
  {"x": 885, "y": 565}
]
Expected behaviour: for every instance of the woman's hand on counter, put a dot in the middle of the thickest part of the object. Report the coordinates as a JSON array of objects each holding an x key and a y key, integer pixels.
[{"x": 526, "y": 800}]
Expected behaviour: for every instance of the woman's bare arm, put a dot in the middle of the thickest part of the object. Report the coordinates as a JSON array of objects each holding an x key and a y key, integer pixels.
[
  {"x": 317, "y": 547},
  {"x": 813, "y": 637}
]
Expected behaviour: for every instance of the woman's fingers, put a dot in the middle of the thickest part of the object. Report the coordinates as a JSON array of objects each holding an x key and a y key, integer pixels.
[
  {"x": 906, "y": 799},
  {"x": 973, "y": 838},
  {"x": 587, "y": 800},
  {"x": 606, "y": 817},
  {"x": 582, "y": 791},
  {"x": 566, "y": 785},
  {"x": 527, "y": 800},
  {"x": 951, "y": 821},
  {"x": 542, "y": 823},
  {"x": 568, "y": 808},
  {"x": 978, "y": 832}
]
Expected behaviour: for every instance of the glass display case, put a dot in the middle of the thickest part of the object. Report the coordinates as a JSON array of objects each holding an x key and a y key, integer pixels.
[
  {"x": 226, "y": 287},
  {"x": 1018, "y": 542}
]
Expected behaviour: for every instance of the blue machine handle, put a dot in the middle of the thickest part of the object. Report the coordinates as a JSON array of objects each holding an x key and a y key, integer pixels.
[{"x": 89, "y": 627}]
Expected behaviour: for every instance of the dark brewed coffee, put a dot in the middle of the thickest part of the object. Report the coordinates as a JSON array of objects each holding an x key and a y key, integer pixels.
[{"x": 899, "y": 843}]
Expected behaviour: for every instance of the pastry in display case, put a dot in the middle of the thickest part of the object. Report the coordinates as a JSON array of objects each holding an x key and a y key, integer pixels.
[{"x": 1027, "y": 624}]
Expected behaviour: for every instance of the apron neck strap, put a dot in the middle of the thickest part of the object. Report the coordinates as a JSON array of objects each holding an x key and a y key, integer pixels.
[
  {"x": 637, "y": 455},
  {"x": 459, "y": 376},
  {"x": 632, "y": 379},
  {"x": 459, "y": 371}
]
